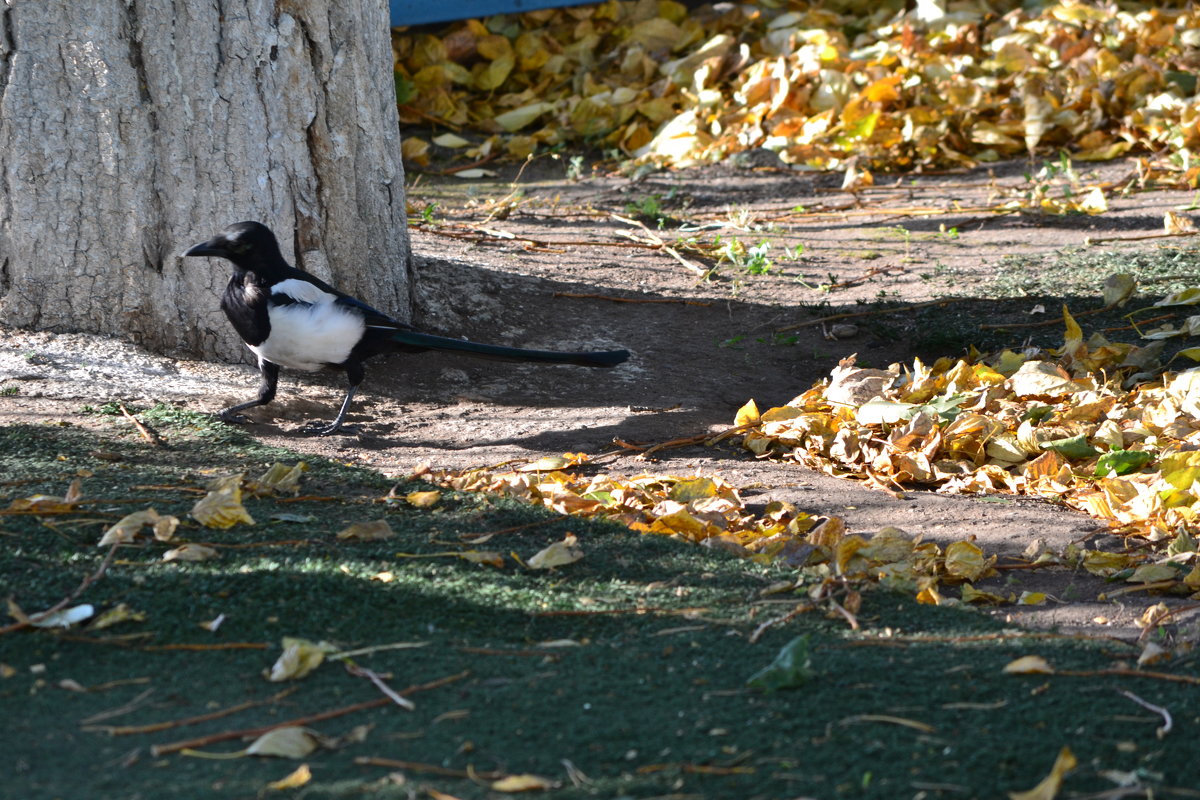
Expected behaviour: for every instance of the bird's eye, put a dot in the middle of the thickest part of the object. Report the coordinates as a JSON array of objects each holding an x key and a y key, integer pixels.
[{"x": 238, "y": 247}]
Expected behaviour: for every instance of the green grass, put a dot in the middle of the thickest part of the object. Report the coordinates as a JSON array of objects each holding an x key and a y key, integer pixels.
[{"x": 647, "y": 699}]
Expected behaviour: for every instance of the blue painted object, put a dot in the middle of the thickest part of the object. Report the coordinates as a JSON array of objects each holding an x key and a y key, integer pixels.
[{"x": 421, "y": 12}]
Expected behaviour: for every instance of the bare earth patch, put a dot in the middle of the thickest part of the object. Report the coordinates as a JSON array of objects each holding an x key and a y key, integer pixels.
[{"x": 551, "y": 269}]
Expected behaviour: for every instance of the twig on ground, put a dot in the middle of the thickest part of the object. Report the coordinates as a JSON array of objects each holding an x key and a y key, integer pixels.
[
  {"x": 1105, "y": 239},
  {"x": 208, "y": 647},
  {"x": 126, "y": 730},
  {"x": 1163, "y": 729},
  {"x": 147, "y": 433},
  {"x": 203, "y": 741},
  {"x": 1045, "y": 323},
  {"x": 876, "y": 312},
  {"x": 432, "y": 769},
  {"x": 671, "y": 300},
  {"x": 61, "y": 604},
  {"x": 121, "y": 710},
  {"x": 375, "y": 678}
]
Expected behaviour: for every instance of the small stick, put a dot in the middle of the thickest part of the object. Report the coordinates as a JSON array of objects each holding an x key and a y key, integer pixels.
[
  {"x": 125, "y": 730},
  {"x": 1106, "y": 239},
  {"x": 147, "y": 434},
  {"x": 203, "y": 741},
  {"x": 1125, "y": 672},
  {"x": 432, "y": 769},
  {"x": 1163, "y": 729},
  {"x": 121, "y": 710},
  {"x": 672, "y": 300},
  {"x": 1047, "y": 322},
  {"x": 461, "y": 167},
  {"x": 876, "y": 312},
  {"x": 60, "y": 605},
  {"x": 375, "y": 678},
  {"x": 207, "y": 647}
]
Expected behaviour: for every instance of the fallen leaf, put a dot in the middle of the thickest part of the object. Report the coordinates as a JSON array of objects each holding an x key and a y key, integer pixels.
[
  {"x": 1029, "y": 665},
  {"x": 64, "y": 618},
  {"x": 367, "y": 531},
  {"x": 299, "y": 658},
  {"x": 222, "y": 506},
  {"x": 298, "y": 777},
  {"x": 1048, "y": 788},
  {"x": 521, "y": 783},
  {"x": 423, "y": 499},
  {"x": 791, "y": 669},
  {"x": 290, "y": 742},
  {"x": 191, "y": 552},
  {"x": 129, "y": 526},
  {"x": 558, "y": 554}
]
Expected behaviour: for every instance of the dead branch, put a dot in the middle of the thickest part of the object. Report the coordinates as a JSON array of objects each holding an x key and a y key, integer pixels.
[
  {"x": 204, "y": 741},
  {"x": 60, "y": 605}
]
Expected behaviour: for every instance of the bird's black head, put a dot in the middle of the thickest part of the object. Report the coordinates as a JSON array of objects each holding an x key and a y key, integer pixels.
[{"x": 249, "y": 245}]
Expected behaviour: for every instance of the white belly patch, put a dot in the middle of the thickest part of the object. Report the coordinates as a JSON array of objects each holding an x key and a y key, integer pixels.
[{"x": 310, "y": 335}]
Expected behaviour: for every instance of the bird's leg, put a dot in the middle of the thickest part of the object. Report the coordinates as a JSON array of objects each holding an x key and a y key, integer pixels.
[
  {"x": 354, "y": 373},
  {"x": 266, "y": 393}
]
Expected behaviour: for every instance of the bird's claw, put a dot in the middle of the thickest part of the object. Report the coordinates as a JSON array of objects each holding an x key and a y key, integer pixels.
[
  {"x": 317, "y": 429},
  {"x": 233, "y": 419}
]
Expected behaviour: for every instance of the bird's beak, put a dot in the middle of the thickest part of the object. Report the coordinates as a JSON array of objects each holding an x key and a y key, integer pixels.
[{"x": 209, "y": 248}]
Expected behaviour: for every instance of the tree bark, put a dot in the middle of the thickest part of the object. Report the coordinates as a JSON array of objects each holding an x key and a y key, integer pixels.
[{"x": 131, "y": 129}]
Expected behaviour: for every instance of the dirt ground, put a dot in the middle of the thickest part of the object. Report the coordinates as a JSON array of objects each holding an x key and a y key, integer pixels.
[{"x": 700, "y": 348}]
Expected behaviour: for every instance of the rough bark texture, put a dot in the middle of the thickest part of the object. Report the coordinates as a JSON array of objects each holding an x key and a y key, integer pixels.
[{"x": 131, "y": 129}]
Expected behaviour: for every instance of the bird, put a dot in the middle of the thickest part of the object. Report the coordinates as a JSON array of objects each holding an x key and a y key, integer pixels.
[{"x": 289, "y": 318}]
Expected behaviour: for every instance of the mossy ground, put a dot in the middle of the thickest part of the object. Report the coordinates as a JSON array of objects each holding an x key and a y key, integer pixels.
[{"x": 646, "y": 697}]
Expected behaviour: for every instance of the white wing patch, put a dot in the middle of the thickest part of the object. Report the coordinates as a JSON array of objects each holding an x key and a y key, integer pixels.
[
  {"x": 303, "y": 291},
  {"x": 312, "y": 333}
]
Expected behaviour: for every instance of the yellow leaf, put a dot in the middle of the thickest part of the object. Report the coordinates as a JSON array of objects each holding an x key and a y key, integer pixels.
[
  {"x": 368, "y": 531},
  {"x": 279, "y": 479},
  {"x": 488, "y": 557},
  {"x": 414, "y": 150},
  {"x": 450, "y": 140},
  {"x": 747, "y": 414},
  {"x": 116, "y": 615},
  {"x": 694, "y": 489},
  {"x": 1154, "y": 573},
  {"x": 1032, "y": 599},
  {"x": 1093, "y": 201},
  {"x": 966, "y": 561},
  {"x": 423, "y": 499},
  {"x": 512, "y": 121},
  {"x": 1104, "y": 564},
  {"x": 300, "y": 776},
  {"x": 521, "y": 783},
  {"x": 558, "y": 554},
  {"x": 222, "y": 506},
  {"x": 1048, "y": 788},
  {"x": 495, "y": 73},
  {"x": 129, "y": 526},
  {"x": 1074, "y": 334},
  {"x": 1029, "y": 665},
  {"x": 291, "y": 742},
  {"x": 191, "y": 552},
  {"x": 972, "y": 595},
  {"x": 299, "y": 657},
  {"x": 1176, "y": 223}
]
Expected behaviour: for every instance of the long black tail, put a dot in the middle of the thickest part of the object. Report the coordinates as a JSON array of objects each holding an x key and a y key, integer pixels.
[{"x": 603, "y": 358}]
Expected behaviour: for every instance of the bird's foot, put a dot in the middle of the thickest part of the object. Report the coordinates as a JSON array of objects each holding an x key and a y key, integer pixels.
[
  {"x": 233, "y": 419},
  {"x": 318, "y": 429}
]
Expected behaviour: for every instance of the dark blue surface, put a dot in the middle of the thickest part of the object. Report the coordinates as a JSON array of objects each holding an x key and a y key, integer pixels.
[{"x": 420, "y": 12}]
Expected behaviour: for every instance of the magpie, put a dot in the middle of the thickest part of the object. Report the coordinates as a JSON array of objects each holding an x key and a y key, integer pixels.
[{"x": 289, "y": 318}]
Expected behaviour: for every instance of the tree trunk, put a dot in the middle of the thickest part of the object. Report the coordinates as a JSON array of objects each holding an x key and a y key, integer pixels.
[{"x": 131, "y": 129}]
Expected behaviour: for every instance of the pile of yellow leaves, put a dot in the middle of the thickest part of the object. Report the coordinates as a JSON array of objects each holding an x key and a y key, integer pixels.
[
  {"x": 816, "y": 83},
  {"x": 709, "y": 511},
  {"x": 1058, "y": 425}
]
